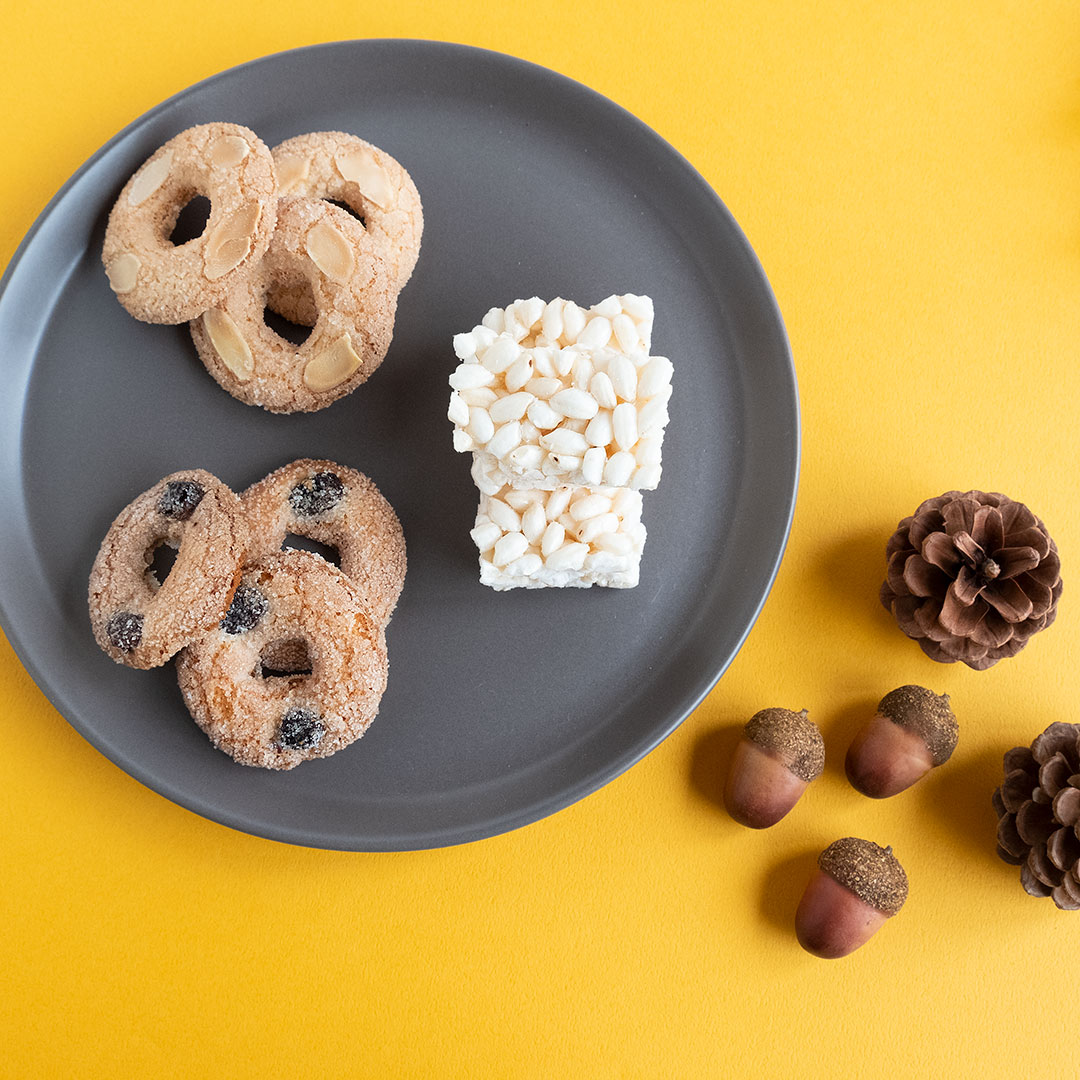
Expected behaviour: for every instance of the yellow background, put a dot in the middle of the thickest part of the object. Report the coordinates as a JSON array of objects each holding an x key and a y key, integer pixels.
[{"x": 909, "y": 174}]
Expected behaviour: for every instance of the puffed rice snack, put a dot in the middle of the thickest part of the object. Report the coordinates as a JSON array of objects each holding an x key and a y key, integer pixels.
[
  {"x": 550, "y": 394},
  {"x": 570, "y": 537}
]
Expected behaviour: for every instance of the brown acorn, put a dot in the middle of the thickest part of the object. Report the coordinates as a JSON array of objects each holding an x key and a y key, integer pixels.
[
  {"x": 913, "y": 731},
  {"x": 857, "y": 887},
  {"x": 780, "y": 753}
]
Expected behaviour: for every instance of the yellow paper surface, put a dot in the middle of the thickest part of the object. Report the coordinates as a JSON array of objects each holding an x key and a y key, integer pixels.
[{"x": 909, "y": 175}]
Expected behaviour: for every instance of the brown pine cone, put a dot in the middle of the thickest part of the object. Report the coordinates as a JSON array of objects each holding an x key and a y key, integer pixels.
[
  {"x": 971, "y": 576},
  {"x": 1038, "y": 807}
]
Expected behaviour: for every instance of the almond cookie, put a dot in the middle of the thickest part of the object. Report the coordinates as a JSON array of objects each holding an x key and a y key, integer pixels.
[
  {"x": 161, "y": 282},
  {"x": 372, "y": 184},
  {"x": 139, "y": 622},
  {"x": 341, "y": 508},
  {"x": 319, "y": 248},
  {"x": 295, "y": 670}
]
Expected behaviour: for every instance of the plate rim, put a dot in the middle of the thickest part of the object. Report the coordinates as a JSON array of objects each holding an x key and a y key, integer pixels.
[{"x": 566, "y": 795}]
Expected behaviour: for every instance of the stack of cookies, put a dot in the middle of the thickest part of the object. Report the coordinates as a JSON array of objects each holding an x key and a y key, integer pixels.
[
  {"x": 324, "y": 231},
  {"x": 281, "y": 654},
  {"x": 564, "y": 411}
]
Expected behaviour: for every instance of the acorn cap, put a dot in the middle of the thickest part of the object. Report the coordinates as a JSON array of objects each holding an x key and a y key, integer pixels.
[
  {"x": 872, "y": 873},
  {"x": 927, "y": 715},
  {"x": 792, "y": 738}
]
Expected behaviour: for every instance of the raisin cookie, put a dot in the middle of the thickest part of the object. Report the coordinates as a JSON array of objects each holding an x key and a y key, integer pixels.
[
  {"x": 341, "y": 508},
  {"x": 140, "y": 622},
  {"x": 295, "y": 670}
]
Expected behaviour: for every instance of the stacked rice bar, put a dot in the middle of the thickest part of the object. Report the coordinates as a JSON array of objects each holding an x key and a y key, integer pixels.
[{"x": 563, "y": 410}]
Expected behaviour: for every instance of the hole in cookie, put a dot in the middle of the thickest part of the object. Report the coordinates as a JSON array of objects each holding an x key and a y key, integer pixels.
[
  {"x": 162, "y": 559},
  {"x": 285, "y": 658},
  {"x": 348, "y": 210},
  {"x": 289, "y": 310},
  {"x": 294, "y": 333},
  {"x": 305, "y": 543},
  {"x": 191, "y": 221}
]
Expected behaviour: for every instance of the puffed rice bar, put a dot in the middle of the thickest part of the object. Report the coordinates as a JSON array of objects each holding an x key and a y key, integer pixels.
[
  {"x": 569, "y": 537},
  {"x": 553, "y": 394}
]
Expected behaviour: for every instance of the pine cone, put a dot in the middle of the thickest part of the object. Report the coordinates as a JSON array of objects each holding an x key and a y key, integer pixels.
[
  {"x": 971, "y": 577},
  {"x": 1038, "y": 806}
]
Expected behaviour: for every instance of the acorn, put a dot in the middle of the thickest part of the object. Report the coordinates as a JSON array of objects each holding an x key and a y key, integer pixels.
[
  {"x": 913, "y": 731},
  {"x": 856, "y": 888},
  {"x": 780, "y": 753}
]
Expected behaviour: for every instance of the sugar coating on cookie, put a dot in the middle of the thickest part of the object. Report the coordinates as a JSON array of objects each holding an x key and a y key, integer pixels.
[
  {"x": 373, "y": 185},
  {"x": 295, "y": 670},
  {"x": 138, "y": 621},
  {"x": 339, "y": 507},
  {"x": 570, "y": 537},
  {"x": 548, "y": 394},
  {"x": 161, "y": 282},
  {"x": 320, "y": 248}
]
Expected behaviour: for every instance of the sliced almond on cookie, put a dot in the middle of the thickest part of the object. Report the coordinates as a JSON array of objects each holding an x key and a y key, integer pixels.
[
  {"x": 291, "y": 172},
  {"x": 360, "y": 167},
  {"x": 122, "y": 272},
  {"x": 229, "y": 150},
  {"x": 330, "y": 252},
  {"x": 149, "y": 178},
  {"x": 332, "y": 366},
  {"x": 229, "y": 344},
  {"x": 230, "y": 242}
]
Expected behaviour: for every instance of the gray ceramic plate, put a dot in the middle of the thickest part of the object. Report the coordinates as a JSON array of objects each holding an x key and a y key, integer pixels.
[{"x": 501, "y": 708}]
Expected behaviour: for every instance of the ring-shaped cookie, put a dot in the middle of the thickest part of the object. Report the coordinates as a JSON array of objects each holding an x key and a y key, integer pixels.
[
  {"x": 318, "y": 246},
  {"x": 341, "y": 508},
  {"x": 139, "y": 622},
  {"x": 161, "y": 282},
  {"x": 296, "y": 670},
  {"x": 373, "y": 185}
]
